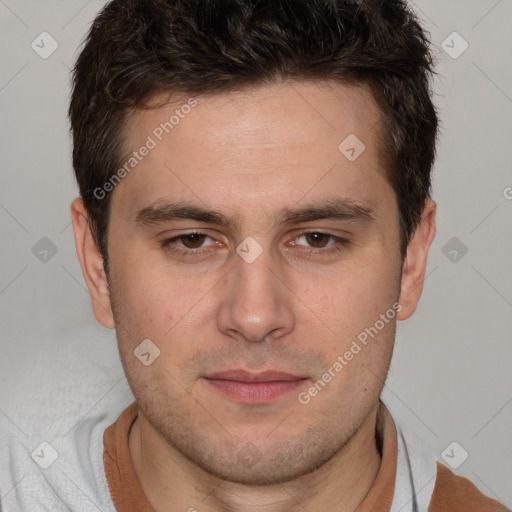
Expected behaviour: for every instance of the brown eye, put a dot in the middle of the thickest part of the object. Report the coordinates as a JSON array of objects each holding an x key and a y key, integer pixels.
[
  {"x": 192, "y": 240},
  {"x": 189, "y": 244},
  {"x": 319, "y": 243},
  {"x": 318, "y": 240}
]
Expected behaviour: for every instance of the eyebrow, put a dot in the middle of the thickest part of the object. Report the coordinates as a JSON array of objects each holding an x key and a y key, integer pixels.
[{"x": 333, "y": 209}]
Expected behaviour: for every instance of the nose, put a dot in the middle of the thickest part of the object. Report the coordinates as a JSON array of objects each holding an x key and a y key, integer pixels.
[{"x": 256, "y": 303}]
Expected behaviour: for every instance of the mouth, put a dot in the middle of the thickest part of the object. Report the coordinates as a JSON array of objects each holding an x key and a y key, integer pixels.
[{"x": 254, "y": 388}]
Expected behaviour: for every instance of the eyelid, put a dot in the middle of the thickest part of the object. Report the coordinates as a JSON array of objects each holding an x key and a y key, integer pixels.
[
  {"x": 176, "y": 238},
  {"x": 332, "y": 236}
]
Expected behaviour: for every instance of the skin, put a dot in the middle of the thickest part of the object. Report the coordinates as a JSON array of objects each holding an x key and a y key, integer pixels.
[{"x": 295, "y": 308}]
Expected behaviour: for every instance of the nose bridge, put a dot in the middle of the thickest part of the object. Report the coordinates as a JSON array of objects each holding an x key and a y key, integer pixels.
[
  {"x": 257, "y": 280},
  {"x": 254, "y": 303}
]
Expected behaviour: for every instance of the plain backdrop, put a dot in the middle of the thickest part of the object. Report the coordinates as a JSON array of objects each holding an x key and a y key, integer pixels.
[{"x": 451, "y": 376}]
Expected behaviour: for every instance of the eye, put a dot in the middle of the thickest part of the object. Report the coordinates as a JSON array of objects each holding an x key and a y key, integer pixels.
[
  {"x": 186, "y": 242},
  {"x": 318, "y": 241},
  {"x": 193, "y": 240}
]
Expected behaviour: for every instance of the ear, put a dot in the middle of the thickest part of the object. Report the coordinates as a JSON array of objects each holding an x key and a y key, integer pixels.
[
  {"x": 91, "y": 262},
  {"x": 415, "y": 261}
]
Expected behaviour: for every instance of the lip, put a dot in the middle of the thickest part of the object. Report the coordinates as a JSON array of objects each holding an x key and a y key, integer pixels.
[
  {"x": 246, "y": 376},
  {"x": 254, "y": 388}
]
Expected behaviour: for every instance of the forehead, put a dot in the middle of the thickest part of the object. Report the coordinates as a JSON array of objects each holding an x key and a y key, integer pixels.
[
  {"x": 256, "y": 141},
  {"x": 265, "y": 108}
]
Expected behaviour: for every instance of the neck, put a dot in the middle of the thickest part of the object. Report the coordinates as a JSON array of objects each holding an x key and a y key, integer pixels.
[{"x": 166, "y": 476}]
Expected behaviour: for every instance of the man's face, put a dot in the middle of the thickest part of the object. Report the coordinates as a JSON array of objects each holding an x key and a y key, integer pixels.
[{"x": 256, "y": 157}]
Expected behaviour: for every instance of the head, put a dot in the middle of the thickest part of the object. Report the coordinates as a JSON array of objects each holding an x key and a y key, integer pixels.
[{"x": 296, "y": 140}]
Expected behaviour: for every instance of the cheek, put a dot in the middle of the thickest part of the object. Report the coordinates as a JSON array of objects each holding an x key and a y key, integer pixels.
[
  {"x": 352, "y": 297},
  {"x": 145, "y": 312},
  {"x": 151, "y": 300},
  {"x": 146, "y": 296}
]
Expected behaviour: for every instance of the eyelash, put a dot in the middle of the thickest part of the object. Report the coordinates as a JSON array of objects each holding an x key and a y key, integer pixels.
[{"x": 340, "y": 244}]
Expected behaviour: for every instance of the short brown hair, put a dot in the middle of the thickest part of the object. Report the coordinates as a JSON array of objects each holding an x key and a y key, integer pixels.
[{"x": 136, "y": 49}]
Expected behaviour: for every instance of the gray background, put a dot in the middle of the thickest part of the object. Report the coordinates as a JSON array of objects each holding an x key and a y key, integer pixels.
[{"x": 450, "y": 378}]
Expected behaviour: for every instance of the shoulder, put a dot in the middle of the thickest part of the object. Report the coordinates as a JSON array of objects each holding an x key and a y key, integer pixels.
[
  {"x": 52, "y": 426},
  {"x": 455, "y": 493},
  {"x": 428, "y": 484}
]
